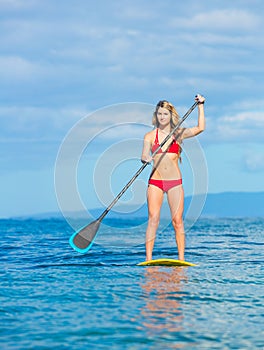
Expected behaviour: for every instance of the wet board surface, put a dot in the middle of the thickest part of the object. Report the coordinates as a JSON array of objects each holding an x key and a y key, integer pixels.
[{"x": 166, "y": 262}]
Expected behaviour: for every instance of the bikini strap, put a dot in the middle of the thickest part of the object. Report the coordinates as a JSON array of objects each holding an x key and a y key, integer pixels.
[{"x": 157, "y": 137}]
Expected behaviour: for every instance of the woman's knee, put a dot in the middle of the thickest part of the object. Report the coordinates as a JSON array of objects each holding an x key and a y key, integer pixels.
[
  {"x": 177, "y": 222},
  {"x": 154, "y": 219}
]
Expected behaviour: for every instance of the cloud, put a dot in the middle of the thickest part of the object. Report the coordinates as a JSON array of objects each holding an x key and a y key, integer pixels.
[
  {"x": 222, "y": 19},
  {"x": 29, "y": 124},
  {"x": 77, "y": 54},
  {"x": 245, "y": 119},
  {"x": 245, "y": 126},
  {"x": 253, "y": 161},
  {"x": 30, "y": 137},
  {"x": 68, "y": 56},
  {"x": 16, "y": 4}
]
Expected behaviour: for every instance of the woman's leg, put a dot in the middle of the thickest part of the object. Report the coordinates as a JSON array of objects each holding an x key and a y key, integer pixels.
[
  {"x": 155, "y": 198},
  {"x": 176, "y": 203}
]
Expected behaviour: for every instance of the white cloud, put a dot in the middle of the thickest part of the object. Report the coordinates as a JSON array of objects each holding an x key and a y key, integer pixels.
[
  {"x": 20, "y": 124},
  {"x": 245, "y": 119},
  {"x": 60, "y": 62},
  {"x": 245, "y": 126},
  {"x": 120, "y": 58},
  {"x": 16, "y": 67},
  {"x": 223, "y": 19}
]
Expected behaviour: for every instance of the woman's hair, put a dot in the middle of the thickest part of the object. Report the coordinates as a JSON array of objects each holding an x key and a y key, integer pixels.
[{"x": 174, "y": 114}]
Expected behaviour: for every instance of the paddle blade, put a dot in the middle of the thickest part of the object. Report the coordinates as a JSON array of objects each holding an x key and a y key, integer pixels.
[{"x": 82, "y": 240}]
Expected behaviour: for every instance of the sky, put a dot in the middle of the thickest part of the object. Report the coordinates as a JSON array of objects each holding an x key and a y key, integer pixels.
[{"x": 79, "y": 83}]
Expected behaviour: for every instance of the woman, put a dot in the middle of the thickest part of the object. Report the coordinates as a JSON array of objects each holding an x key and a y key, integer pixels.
[{"x": 166, "y": 175}]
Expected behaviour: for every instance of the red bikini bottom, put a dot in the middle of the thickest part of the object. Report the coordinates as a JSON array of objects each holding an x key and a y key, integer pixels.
[{"x": 165, "y": 185}]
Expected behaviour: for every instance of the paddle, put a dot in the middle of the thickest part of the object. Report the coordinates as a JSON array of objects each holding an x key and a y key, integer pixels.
[{"x": 83, "y": 239}]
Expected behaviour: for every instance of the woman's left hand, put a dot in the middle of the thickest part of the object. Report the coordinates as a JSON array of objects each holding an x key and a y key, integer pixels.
[{"x": 200, "y": 99}]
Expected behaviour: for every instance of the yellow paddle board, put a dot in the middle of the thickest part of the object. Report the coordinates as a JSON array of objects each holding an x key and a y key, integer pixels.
[{"x": 165, "y": 262}]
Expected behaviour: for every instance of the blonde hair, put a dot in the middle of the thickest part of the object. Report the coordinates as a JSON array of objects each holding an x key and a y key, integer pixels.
[{"x": 174, "y": 114}]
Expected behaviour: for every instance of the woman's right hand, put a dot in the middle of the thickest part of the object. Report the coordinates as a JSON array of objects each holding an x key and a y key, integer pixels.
[{"x": 147, "y": 159}]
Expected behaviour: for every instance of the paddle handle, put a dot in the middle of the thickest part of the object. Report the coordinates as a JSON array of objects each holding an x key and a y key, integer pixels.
[{"x": 120, "y": 194}]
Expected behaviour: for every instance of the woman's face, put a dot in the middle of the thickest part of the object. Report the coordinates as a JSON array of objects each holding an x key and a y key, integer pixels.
[{"x": 163, "y": 116}]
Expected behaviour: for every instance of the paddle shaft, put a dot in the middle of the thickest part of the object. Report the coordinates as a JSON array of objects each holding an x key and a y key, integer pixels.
[{"x": 120, "y": 194}]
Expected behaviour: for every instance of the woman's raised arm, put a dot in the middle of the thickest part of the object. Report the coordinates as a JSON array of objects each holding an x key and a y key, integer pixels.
[{"x": 200, "y": 127}]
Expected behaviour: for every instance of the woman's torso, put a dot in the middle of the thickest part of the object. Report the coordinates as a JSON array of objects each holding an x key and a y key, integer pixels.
[{"x": 165, "y": 166}]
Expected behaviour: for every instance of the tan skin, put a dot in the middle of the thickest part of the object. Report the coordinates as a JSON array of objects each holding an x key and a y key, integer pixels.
[{"x": 166, "y": 167}]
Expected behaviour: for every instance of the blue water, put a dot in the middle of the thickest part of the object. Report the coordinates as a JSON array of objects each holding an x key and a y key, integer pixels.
[{"x": 54, "y": 298}]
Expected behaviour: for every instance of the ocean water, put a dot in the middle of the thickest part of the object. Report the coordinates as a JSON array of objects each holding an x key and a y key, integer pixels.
[{"x": 54, "y": 298}]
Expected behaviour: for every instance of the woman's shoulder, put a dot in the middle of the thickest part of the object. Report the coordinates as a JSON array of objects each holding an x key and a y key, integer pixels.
[{"x": 150, "y": 135}]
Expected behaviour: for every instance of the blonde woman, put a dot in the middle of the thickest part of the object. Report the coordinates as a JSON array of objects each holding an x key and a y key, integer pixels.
[{"x": 166, "y": 175}]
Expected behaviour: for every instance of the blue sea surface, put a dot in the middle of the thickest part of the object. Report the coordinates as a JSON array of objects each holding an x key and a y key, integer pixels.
[{"x": 54, "y": 298}]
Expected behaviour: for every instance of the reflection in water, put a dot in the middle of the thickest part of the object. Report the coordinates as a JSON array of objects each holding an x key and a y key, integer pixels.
[{"x": 162, "y": 312}]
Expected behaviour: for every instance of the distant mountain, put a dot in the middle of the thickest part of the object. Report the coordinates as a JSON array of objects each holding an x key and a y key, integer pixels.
[
  {"x": 226, "y": 204},
  {"x": 238, "y": 204}
]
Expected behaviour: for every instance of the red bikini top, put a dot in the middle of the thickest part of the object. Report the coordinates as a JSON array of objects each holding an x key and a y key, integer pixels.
[{"x": 173, "y": 148}]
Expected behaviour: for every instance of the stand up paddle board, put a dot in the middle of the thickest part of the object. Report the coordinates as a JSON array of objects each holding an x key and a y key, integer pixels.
[{"x": 165, "y": 262}]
